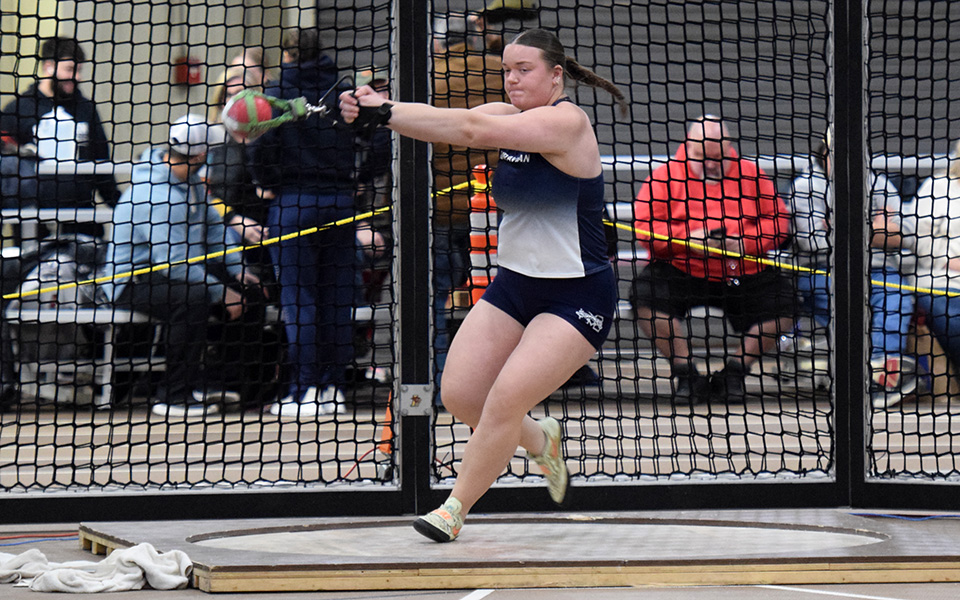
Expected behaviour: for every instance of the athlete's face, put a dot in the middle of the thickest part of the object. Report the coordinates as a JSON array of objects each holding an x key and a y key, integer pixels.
[{"x": 528, "y": 81}]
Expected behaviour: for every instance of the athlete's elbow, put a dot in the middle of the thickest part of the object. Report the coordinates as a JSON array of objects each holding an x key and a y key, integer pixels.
[
  {"x": 471, "y": 137},
  {"x": 475, "y": 133}
]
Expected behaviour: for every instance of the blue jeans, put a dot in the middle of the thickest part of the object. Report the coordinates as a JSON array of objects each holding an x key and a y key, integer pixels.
[
  {"x": 891, "y": 309},
  {"x": 317, "y": 278},
  {"x": 891, "y": 312},
  {"x": 814, "y": 290},
  {"x": 943, "y": 319}
]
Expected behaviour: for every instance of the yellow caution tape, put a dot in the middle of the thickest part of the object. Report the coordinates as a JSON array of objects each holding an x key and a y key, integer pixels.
[
  {"x": 769, "y": 262},
  {"x": 478, "y": 187}
]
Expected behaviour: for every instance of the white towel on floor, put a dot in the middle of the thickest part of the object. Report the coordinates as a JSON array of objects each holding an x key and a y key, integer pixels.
[{"x": 125, "y": 569}]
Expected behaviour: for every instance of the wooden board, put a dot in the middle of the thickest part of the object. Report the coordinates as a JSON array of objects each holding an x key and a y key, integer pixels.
[{"x": 352, "y": 555}]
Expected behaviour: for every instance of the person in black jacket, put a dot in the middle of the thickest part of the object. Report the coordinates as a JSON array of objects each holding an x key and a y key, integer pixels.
[
  {"x": 55, "y": 118},
  {"x": 307, "y": 169}
]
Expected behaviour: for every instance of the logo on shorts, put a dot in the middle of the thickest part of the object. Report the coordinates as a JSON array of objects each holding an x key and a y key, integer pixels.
[
  {"x": 514, "y": 156},
  {"x": 595, "y": 322}
]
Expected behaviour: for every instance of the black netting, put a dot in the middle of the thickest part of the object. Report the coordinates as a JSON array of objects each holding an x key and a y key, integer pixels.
[
  {"x": 163, "y": 379},
  {"x": 763, "y": 70},
  {"x": 912, "y": 128},
  {"x": 720, "y": 362}
]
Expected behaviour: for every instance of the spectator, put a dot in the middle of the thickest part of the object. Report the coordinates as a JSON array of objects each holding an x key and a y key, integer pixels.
[
  {"x": 937, "y": 218},
  {"x": 500, "y": 10},
  {"x": 706, "y": 200},
  {"x": 225, "y": 88},
  {"x": 18, "y": 173},
  {"x": 162, "y": 218},
  {"x": 227, "y": 175},
  {"x": 255, "y": 73},
  {"x": 893, "y": 373},
  {"x": 466, "y": 73},
  {"x": 53, "y": 117},
  {"x": 307, "y": 168},
  {"x": 374, "y": 235},
  {"x": 374, "y": 190},
  {"x": 374, "y": 179},
  {"x": 11, "y": 278}
]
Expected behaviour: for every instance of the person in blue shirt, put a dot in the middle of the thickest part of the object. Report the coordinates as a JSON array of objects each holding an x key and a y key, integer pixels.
[
  {"x": 550, "y": 306},
  {"x": 164, "y": 218},
  {"x": 893, "y": 370}
]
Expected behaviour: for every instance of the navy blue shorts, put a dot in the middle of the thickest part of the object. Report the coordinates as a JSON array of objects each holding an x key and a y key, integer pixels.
[{"x": 587, "y": 303}]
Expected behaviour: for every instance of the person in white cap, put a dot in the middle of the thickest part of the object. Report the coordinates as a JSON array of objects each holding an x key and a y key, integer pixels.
[{"x": 164, "y": 218}]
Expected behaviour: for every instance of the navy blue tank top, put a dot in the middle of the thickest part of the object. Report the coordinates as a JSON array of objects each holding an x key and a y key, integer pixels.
[{"x": 552, "y": 222}]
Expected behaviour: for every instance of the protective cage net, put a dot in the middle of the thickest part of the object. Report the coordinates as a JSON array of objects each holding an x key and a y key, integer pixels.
[
  {"x": 165, "y": 378},
  {"x": 912, "y": 75},
  {"x": 716, "y": 366}
]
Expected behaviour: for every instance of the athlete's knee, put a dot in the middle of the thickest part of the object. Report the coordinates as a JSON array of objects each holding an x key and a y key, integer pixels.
[
  {"x": 507, "y": 402},
  {"x": 462, "y": 403}
]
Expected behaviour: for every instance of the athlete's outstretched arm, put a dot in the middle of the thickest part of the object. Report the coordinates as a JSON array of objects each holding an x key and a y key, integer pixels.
[{"x": 548, "y": 129}]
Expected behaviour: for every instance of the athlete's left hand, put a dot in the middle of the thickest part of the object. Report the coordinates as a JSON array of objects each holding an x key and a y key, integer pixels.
[{"x": 350, "y": 102}]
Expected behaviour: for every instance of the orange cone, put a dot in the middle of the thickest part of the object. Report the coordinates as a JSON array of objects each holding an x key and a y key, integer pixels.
[
  {"x": 386, "y": 434},
  {"x": 483, "y": 236}
]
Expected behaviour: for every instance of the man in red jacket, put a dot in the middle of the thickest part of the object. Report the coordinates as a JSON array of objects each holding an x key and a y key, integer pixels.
[{"x": 702, "y": 216}]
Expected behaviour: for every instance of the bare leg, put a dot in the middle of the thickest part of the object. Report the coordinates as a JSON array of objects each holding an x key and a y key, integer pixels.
[
  {"x": 549, "y": 351},
  {"x": 484, "y": 342}
]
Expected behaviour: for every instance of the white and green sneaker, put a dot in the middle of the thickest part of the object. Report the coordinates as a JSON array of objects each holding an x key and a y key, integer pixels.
[
  {"x": 442, "y": 524},
  {"x": 551, "y": 461}
]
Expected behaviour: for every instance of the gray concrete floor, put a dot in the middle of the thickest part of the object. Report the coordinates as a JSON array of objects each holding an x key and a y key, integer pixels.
[{"x": 66, "y": 550}]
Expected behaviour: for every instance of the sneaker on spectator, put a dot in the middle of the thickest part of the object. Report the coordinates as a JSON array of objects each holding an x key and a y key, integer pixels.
[
  {"x": 892, "y": 379},
  {"x": 803, "y": 342},
  {"x": 9, "y": 397},
  {"x": 194, "y": 408},
  {"x": 219, "y": 397},
  {"x": 727, "y": 384},
  {"x": 787, "y": 342},
  {"x": 551, "y": 460},
  {"x": 332, "y": 401},
  {"x": 308, "y": 405},
  {"x": 442, "y": 524},
  {"x": 691, "y": 387},
  {"x": 378, "y": 374}
]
